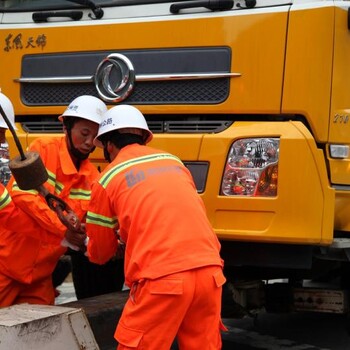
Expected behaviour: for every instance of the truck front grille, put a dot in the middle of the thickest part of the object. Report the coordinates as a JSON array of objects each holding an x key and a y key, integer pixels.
[
  {"x": 75, "y": 72},
  {"x": 208, "y": 91}
]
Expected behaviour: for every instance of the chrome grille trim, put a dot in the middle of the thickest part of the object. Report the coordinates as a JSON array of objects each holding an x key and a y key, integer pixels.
[{"x": 148, "y": 77}]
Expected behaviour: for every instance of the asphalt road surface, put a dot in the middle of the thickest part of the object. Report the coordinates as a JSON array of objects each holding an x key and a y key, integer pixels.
[{"x": 296, "y": 331}]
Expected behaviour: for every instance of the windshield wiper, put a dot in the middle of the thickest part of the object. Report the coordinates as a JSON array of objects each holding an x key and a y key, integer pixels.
[{"x": 97, "y": 10}]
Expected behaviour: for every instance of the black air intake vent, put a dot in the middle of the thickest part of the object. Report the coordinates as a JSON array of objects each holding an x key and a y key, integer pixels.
[
  {"x": 199, "y": 126},
  {"x": 156, "y": 126},
  {"x": 206, "y": 91},
  {"x": 42, "y": 127}
]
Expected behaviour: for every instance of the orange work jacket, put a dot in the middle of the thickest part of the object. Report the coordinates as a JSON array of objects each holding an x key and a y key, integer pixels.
[
  {"x": 10, "y": 215},
  {"x": 162, "y": 219},
  {"x": 42, "y": 248},
  {"x": 13, "y": 263}
]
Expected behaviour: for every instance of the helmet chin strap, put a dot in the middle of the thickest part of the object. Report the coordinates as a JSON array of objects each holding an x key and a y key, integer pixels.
[{"x": 74, "y": 151}]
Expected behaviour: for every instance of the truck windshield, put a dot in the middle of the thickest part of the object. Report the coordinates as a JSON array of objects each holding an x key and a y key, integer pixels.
[{"x": 38, "y": 5}]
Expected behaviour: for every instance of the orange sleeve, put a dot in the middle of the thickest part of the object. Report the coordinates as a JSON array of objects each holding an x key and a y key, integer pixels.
[
  {"x": 35, "y": 205},
  {"x": 101, "y": 226},
  {"x": 11, "y": 216}
]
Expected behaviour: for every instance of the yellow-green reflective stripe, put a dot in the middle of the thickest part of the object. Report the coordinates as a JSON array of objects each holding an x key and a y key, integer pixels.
[
  {"x": 106, "y": 178},
  {"x": 101, "y": 220},
  {"x": 53, "y": 182},
  {"x": 78, "y": 193},
  {"x": 52, "y": 178},
  {"x": 5, "y": 200},
  {"x": 16, "y": 188}
]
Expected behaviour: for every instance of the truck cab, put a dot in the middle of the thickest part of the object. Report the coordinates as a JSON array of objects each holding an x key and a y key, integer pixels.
[{"x": 252, "y": 96}]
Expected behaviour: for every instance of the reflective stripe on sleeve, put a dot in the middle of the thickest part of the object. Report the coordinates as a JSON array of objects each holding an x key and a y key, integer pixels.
[
  {"x": 5, "y": 199},
  {"x": 53, "y": 182},
  {"x": 101, "y": 220},
  {"x": 15, "y": 187},
  {"x": 79, "y": 193}
]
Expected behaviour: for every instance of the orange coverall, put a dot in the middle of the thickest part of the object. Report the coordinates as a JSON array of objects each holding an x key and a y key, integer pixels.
[
  {"x": 10, "y": 215},
  {"x": 12, "y": 262},
  {"x": 172, "y": 261},
  {"x": 27, "y": 260}
]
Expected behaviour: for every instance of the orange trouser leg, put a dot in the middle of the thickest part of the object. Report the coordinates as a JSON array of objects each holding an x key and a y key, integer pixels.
[
  {"x": 9, "y": 290},
  {"x": 201, "y": 326},
  {"x": 40, "y": 292},
  {"x": 13, "y": 292},
  {"x": 186, "y": 303}
]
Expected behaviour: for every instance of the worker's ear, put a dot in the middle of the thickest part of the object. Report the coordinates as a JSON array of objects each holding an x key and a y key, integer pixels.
[
  {"x": 112, "y": 150},
  {"x": 64, "y": 129},
  {"x": 110, "y": 147}
]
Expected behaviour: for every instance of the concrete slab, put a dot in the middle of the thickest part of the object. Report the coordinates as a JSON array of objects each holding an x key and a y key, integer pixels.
[
  {"x": 103, "y": 313},
  {"x": 42, "y": 327}
]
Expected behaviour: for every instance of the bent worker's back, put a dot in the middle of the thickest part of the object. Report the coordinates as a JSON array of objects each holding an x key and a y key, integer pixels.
[{"x": 160, "y": 214}]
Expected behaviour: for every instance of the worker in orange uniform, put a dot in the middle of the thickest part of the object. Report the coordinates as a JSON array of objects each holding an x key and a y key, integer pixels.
[
  {"x": 10, "y": 215},
  {"x": 12, "y": 264},
  {"x": 28, "y": 260},
  {"x": 172, "y": 261}
]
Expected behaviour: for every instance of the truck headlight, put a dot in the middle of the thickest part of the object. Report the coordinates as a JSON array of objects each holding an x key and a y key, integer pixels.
[{"x": 252, "y": 168}]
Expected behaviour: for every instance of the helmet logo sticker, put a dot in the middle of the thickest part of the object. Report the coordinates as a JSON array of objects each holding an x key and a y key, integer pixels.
[
  {"x": 106, "y": 122},
  {"x": 114, "y": 78},
  {"x": 72, "y": 108}
]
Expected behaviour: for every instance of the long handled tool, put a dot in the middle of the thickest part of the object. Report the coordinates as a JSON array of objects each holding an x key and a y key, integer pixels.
[{"x": 30, "y": 173}]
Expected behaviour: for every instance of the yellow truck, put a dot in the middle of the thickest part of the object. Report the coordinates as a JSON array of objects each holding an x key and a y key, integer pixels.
[{"x": 253, "y": 96}]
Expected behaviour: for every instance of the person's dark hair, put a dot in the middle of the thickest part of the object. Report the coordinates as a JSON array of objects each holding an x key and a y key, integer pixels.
[
  {"x": 69, "y": 122},
  {"x": 121, "y": 140}
]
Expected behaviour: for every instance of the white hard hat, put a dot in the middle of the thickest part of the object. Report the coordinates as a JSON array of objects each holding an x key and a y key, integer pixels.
[
  {"x": 123, "y": 117},
  {"x": 85, "y": 107},
  {"x": 7, "y": 106}
]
